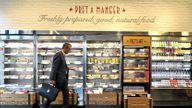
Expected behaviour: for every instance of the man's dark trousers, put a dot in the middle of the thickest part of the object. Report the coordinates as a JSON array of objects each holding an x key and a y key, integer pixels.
[{"x": 65, "y": 92}]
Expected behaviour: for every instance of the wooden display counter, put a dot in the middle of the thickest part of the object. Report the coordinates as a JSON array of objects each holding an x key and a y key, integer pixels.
[
  {"x": 138, "y": 102},
  {"x": 14, "y": 99},
  {"x": 107, "y": 98},
  {"x": 30, "y": 99},
  {"x": 59, "y": 100}
]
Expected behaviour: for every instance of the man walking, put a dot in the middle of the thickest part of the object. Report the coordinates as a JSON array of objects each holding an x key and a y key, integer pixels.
[{"x": 59, "y": 74}]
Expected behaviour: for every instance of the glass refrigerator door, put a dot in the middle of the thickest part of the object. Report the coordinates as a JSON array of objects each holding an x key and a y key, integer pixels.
[
  {"x": 47, "y": 46},
  {"x": 171, "y": 62},
  {"x": 103, "y": 64},
  {"x": 1, "y": 62},
  {"x": 16, "y": 66}
]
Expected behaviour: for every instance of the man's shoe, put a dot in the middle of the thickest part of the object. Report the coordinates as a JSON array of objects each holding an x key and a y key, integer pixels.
[{"x": 43, "y": 106}]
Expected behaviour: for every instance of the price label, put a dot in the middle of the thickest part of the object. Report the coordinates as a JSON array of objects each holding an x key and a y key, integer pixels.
[
  {"x": 125, "y": 96},
  {"x": 79, "y": 85},
  {"x": 105, "y": 55},
  {"x": 186, "y": 52},
  {"x": 133, "y": 55},
  {"x": 166, "y": 68},
  {"x": 167, "y": 53},
  {"x": 128, "y": 80},
  {"x": 98, "y": 55},
  {"x": 114, "y": 71},
  {"x": 136, "y": 80},
  {"x": 174, "y": 83}
]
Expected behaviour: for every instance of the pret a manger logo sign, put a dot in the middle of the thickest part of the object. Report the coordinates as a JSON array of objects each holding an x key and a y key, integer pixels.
[
  {"x": 95, "y": 15},
  {"x": 109, "y": 9}
]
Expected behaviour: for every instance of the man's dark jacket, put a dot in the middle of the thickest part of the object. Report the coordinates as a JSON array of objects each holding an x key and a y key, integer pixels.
[{"x": 59, "y": 70}]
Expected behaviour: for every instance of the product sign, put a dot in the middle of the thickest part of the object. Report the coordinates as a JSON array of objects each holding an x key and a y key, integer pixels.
[{"x": 136, "y": 41}]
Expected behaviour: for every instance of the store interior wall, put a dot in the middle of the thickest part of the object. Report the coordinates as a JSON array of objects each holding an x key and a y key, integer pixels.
[{"x": 169, "y": 15}]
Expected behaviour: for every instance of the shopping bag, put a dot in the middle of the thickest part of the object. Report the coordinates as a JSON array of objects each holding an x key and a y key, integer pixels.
[{"x": 48, "y": 91}]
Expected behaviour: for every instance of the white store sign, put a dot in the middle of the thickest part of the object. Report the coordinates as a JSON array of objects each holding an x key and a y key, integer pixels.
[{"x": 97, "y": 15}]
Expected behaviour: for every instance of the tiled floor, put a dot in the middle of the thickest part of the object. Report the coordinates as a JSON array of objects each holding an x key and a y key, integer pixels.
[{"x": 13, "y": 106}]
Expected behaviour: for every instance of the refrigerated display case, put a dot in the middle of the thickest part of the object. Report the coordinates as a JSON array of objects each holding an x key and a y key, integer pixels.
[
  {"x": 171, "y": 62},
  {"x": 48, "y": 45},
  {"x": 103, "y": 63},
  {"x": 1, "y": 62},
  {"x": 17, "y": 66},
  {"x": 103, "y": 68},
  {"x": 171, "y": 70}
]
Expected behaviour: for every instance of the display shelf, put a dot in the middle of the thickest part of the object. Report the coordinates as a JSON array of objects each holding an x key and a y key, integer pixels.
[
  {"x": 172, "y": 83},
  {"x": 49, "y": 45},
  {"x": 17, "y": 69},
  {"x": 136, "y": 66},
  {"x": 19, "y": 54},
  {"x": 171, "y": 69},
  {"x": 53, "y": 46},
  {"x": 103, "y": 64},
  {"x": 18, "y": 61},
  {"x": 16, "y": 40},
  {"x": 134, "y": 90},
  {"x": 100, "y": 48},
  {"x": 68, "y": 55},
  {"x": 92, "y": 77},
  {"x": 183, "y": 47},
  {"x": 171, "y": 75},
  {"x": 18, "y": 78},
  {"x": 75, "y": 78},
  {"x": 135, "y": 93},
  {"x": 171, "y": 62},
  {"x": 135, "y": 56},
  {"x": 58, "y": 40},
  {"x": 103, "y": 71},
  {"x": 171, "y": 88},
  {"x": 136, "y": 80},
  {"x": 103, "y": 56},
  {"x": 163, "y": 60},
  {"x": 57, "y": 48}
]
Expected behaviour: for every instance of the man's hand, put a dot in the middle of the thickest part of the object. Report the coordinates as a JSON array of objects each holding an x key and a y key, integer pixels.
[
  {"x": 53, "y": 82},
  {"x": 73, "y": 68}
]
